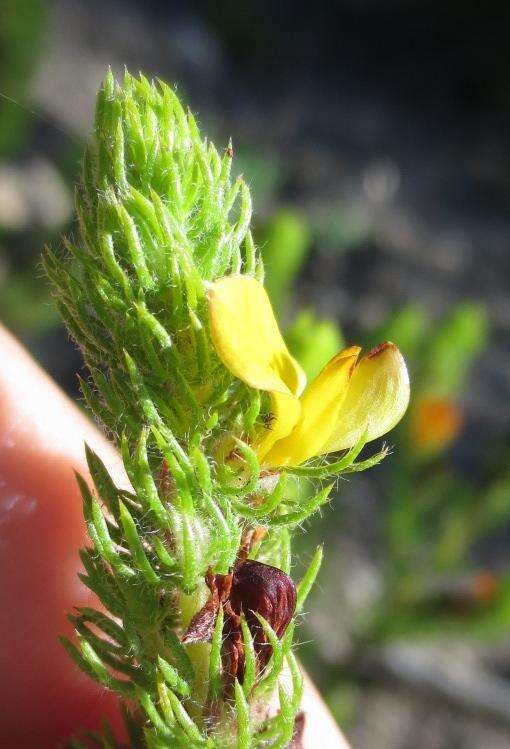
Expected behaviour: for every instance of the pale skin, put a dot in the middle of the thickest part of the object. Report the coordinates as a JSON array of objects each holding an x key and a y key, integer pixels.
[{"x": 45, "y": 698}]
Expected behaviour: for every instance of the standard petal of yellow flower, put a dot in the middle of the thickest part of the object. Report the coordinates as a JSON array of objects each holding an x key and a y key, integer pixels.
[
  {"x": 376, "y": 400},
  {"x": 285, "y": 411},
  {"x": 247, "y": 339},
  {"x": 321, "y": 404}
]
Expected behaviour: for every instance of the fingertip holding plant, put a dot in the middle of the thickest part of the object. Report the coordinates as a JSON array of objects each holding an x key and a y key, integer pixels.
[{"x": 193, "y": 381}]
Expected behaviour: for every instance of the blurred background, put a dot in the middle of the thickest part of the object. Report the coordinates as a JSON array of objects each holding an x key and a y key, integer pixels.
[{"x": 374, "y": 135}]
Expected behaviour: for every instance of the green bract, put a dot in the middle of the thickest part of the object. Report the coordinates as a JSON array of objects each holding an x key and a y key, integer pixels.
[{"x": 160, "y": 217}]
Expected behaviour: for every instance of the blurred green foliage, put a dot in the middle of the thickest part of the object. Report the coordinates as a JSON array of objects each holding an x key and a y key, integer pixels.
[
  {"x": 26, "y": 305},
  {"x": 441, "y": 355},
  {"x": 452, "y": 350},
  {"x": 313, "y": 341},
  {"x": 286, "y": 240},
  {"x": 21, "y": 29},
  {"x": 433, "y": 515},
  {"x": 338, "y": 228},
  {"x": 285, "y": 243},
  {"x": 264, "y": 173}
]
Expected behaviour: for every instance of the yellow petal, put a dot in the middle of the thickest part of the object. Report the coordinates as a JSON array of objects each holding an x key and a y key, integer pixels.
[
  {"x": 247, "y": 339},
  {"x": 285, "y": 410},
  {"x": 376, "y": 400},
  {"x": 320, "y": 406}
]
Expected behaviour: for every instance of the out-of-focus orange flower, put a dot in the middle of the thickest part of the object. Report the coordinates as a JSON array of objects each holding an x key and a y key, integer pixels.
[
  {"x": 484, "y": 586},
  {"x": 435, "y": 423}
]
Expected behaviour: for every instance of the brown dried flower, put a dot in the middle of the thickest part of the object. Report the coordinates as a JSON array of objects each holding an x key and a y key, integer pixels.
[{"x": 252, "y": 587}]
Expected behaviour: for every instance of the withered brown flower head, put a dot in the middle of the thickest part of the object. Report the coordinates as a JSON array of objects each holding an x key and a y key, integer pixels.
[
  {"x": 260, "y": 588},
  {"x": 252, "y": 587}
]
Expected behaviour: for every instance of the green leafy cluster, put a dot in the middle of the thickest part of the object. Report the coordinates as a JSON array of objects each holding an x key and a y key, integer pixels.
[{"x": 159, "y": 218}]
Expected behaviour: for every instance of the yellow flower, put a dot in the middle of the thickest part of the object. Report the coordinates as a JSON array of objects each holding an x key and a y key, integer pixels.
[{"x": 347, "y": 399}]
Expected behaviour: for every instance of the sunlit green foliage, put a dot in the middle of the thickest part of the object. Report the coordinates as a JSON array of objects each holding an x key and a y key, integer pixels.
[{"x": 159, "y": 219}]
